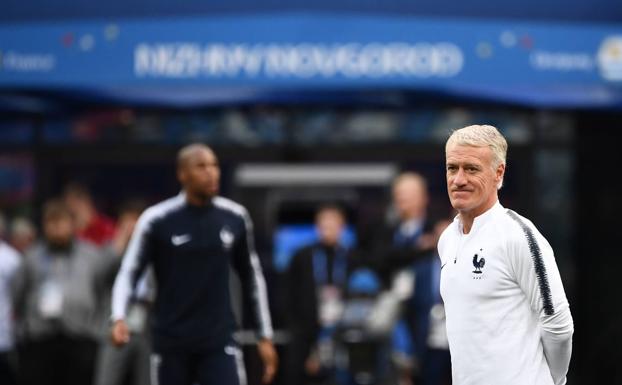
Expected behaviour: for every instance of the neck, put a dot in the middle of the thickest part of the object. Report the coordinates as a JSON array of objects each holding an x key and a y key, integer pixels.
[
  {"x": 467, "y": 222},
  {"x": 59, "y": 246},
  {"x": 198, "y": 200},
  {"x": 468, "y": 217},
  {"x": 412, "y": 216},
  {"x": 328, "y": 244}
]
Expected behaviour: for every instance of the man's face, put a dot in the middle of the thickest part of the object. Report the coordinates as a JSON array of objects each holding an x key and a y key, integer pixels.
[
  {"x": 76, "y": 203},
  {"x": 409, "y": 198},
  {"x": 471, "y": 181},
  {"x": 59, "y": 231},
  {"x": 329, "y": 224},
  {"x": 200, "y": 174}
]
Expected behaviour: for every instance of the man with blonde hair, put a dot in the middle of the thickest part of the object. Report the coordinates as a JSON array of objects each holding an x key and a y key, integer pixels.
[{"x": 508, "y": 319}]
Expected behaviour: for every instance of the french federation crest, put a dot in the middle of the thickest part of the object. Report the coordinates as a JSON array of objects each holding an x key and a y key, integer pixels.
[
  {"x": 227, "y": 238},
  {"x": 478, "y": 262}
]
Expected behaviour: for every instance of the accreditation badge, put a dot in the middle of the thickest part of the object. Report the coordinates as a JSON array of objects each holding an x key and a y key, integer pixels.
[
  {"x": 330, "y": 306},
  {"x": 51, "y": 298},
  {"x": 437, "y": 337}
]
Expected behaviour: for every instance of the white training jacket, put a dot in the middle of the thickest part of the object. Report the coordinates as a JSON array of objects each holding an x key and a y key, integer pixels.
[{"x": 508, "y": 319}]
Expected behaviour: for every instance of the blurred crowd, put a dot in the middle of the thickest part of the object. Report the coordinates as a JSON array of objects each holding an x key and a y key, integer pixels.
[
  {"x": 368, "y": 314},
  {"x": 267, "y": 125}
]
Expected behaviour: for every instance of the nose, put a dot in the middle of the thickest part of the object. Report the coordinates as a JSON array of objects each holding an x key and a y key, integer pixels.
[
  {"x": 459, "y": 178},
  {"x": 213, "y": 172}
]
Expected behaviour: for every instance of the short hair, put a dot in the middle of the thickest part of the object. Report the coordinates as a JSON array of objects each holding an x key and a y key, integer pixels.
[
  {"x": 186, "y": 151},
  {"x": 332, "y": 207},
  {"x": 56, "y": 209},
  {"x": 481, "y": 136},
  {"x": 412, "y": 176}
]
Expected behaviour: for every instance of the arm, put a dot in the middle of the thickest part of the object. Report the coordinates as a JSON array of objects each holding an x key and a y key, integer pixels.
[
  {"x": 538, "y": 276},
  {"x": 246, "y": 262},
  {"x": 112, "y": 252},
  {"x": 379, "y": 252},
  {"x": 134, "y": 263}
]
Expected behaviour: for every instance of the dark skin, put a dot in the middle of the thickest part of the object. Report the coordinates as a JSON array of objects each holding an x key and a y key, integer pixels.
[{"x": 198, "y": 172}]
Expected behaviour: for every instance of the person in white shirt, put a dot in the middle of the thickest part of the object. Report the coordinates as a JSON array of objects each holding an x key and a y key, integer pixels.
[{"x": 508, "y": 319}]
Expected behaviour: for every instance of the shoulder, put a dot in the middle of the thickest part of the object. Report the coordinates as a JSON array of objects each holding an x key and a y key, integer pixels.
[
  {"x": 521, "y": 232},
  {"x": 447, "y": 235},
  {"x": 7, "y": 251},
  {"x": 34, "y": 252},
  {"x": 304, "y": 251},
  {"x": 160, "y": 210},
  {"x": 87, "y": 249},
  {"x": 302, "y": 256},
  {"x": 8, "y": 255},
  {"x": 228, "y": 206}
]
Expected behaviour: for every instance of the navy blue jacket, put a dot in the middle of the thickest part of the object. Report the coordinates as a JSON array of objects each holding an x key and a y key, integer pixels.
[{"x": 191, "y": 250}]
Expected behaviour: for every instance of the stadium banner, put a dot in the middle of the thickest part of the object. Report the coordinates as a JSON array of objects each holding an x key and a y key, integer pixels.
[{"x": 534, "y": 63}]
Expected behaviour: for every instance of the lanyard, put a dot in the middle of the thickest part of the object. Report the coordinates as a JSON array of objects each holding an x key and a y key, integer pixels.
[{"x": 320, "y": 266}]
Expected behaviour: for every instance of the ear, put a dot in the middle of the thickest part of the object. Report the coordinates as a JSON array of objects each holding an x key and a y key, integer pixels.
[
  {"x": 500, "y": 173},
  {"x": 181, "y": 175}
]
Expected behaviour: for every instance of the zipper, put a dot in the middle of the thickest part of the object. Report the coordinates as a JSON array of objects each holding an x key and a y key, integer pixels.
[{"x": 460, "y": 244}]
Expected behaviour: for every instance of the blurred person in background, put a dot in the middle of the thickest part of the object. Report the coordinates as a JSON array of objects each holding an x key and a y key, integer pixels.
[
  {"x": 425, "y": 337},
  {"x": 191, "y": 240},
  {"x": 316, "y": 284},
  {"x": 407, "y": 235},
  {"x": 399, "y": 250},
  {"x": 508, "y": 319},
  {"x": 22, "y": 234},
  {"x": 128, "y": 364},
  {"x": 10, "y": 261},
  {"x": 91, "y": 225},
  {"x": 58, "y": 304}
]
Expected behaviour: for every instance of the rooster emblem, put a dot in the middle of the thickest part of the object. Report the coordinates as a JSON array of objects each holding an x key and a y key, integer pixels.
[{"x": 478, "y": 264}]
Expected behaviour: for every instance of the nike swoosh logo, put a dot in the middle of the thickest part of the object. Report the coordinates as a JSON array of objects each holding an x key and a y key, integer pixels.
[
  {"x": 443, "y": 265},
  {"x": 179, "y": 240}
]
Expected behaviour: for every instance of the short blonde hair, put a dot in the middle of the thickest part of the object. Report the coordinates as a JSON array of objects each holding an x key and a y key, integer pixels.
[{"x": 481, "y": 136}]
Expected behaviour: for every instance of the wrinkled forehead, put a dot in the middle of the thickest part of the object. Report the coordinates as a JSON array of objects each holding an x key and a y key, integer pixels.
[{"x": 460, "y": 153}]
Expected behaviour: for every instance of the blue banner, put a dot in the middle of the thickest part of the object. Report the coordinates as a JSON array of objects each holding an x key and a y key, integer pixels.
[{"x": 540, "y": 64}]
